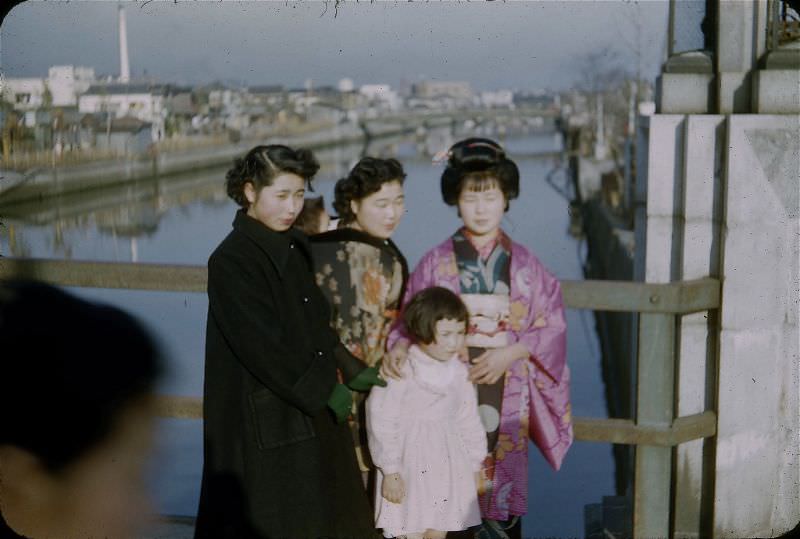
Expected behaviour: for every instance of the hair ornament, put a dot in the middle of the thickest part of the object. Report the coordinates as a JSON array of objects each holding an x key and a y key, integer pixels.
[{"x": 441, "y": 156}]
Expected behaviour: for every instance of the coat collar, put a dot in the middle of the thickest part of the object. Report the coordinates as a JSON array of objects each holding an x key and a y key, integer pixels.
[
  {"x": 276, "y": 245},
  {"x": 351, "y": 234}
]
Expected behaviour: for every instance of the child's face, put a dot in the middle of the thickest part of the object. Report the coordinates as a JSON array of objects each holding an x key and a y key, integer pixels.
[{"x": 448, "y": 339}]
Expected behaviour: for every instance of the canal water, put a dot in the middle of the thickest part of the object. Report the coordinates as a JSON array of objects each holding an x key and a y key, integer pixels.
[{"x": 182, "y": 219}]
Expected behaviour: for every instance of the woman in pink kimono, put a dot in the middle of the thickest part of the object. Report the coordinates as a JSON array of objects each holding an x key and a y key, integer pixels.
[{"x": 517, "y": 334}]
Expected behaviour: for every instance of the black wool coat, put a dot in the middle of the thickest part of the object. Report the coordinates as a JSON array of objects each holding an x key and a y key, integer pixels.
[{"x": 276, "y": 463}]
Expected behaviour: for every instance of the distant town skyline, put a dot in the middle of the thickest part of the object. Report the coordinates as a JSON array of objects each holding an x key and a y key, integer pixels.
[{"x": 517, "y": 45}]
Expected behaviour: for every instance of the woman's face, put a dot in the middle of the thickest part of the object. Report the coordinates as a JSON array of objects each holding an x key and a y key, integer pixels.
[
  {"x": 482, "y": 210},
  {"x": 277, "y": 205},
  {"x": 379, "y": 214}
]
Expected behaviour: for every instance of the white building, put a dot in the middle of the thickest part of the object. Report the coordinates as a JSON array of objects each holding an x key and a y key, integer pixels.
[
  {"x": 345, "y": 85},
  {"x": 64, "y": 84},
  {"x": 438, "y": 89},
  {"x": 23, "y": 94},
  {"x": 137, "y": 100},
  {"x": 382, "y": 95},
  {"x": 497, "y": 99},
  {"x": 67, "y": 83}
]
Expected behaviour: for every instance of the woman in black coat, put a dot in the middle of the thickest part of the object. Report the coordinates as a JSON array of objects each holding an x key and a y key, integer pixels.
[{"x": 279, "y": 461}]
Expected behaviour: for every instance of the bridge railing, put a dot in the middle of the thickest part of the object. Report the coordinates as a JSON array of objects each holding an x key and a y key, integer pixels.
[{"x": 654, "y": 430}]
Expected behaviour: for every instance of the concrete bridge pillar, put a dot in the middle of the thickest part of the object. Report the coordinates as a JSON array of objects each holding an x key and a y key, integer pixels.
[
  {"x": 723, "y": 200},
  {"x": 758, "y": 432}
]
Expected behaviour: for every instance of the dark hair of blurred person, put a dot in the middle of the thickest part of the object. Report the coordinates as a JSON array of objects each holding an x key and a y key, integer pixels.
[
  {"x": 76, "y": 415},
  {"x": 313, "y": 219}
]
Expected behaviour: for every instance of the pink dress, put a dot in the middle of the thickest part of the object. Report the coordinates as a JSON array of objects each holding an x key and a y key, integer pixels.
[{"x": 426, "y": 427}]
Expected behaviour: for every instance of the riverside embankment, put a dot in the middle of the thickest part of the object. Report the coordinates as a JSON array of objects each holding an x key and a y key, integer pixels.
[{"x": 38, "y": 183}]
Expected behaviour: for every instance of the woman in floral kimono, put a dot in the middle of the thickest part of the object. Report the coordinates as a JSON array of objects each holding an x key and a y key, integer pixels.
[
  {"x": 517, "y": 335},
  {"x": 361, "y": 271}
]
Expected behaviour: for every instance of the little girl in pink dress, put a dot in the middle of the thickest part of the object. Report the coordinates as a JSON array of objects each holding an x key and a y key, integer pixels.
[{"x": 424, "y": 431}]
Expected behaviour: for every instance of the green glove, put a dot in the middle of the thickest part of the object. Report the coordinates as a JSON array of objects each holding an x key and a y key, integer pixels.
[
  {"x": 340, "y": 402},
  {"x": 366, "y": 379}
]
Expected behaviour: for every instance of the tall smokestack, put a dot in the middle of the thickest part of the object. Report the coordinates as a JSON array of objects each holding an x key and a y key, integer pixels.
[{"x": 124, "y": 66}]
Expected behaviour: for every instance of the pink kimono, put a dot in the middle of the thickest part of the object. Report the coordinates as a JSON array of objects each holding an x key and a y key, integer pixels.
[{"x": 536, "y": 392}]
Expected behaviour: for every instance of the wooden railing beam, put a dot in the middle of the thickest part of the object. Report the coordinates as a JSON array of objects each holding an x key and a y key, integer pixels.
[
  {"x": 615, "y": 431},
  {"x": 124, "y": 275},
  {"x": 681, "y": 297},
  {"x": 677, "y": 298},
  {"x": 625, "y": 431}
]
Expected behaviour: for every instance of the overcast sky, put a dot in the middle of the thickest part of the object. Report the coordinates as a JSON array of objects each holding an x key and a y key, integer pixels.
[{"x": 522, "y": 45}]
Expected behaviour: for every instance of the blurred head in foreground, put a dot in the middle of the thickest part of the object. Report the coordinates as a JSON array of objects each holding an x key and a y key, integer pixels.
[{"x": 76, "y": 414}]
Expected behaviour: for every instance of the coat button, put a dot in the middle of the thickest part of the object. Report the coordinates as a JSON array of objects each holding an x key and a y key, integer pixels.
[
  {"x": 291, "y": 246},
  {"x": 305, "y": 299},
  {"x": 319, "y": 353}
]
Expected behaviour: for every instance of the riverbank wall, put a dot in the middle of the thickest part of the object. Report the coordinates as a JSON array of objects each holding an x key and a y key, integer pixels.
[{"x": 54, "y": 181}]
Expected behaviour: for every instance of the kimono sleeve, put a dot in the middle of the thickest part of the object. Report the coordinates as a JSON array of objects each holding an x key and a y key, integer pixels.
[
  {"x": 546, "y": 335},
  {"x": 385, "y": 412},
  {"x": 242, "y": 306},
  {"x": 470, "y": 427}
]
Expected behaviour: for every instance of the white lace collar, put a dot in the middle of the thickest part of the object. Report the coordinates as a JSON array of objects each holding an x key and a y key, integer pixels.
[{"x": 429, "y": 372}]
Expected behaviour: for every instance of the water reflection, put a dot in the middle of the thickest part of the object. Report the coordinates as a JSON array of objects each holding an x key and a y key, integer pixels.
[{"x": 135, "y": 209}]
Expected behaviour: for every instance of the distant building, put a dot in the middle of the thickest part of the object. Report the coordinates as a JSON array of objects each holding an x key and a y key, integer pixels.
[
  {"x": 61, "y": 88},
  {"x": 300, "y": 99},
  {"x": 438, "y": 89},
  {"x": 67, "y": 83},
  {"x": 125, "y": 135},
  {"x": 24, "y": 94},
  {"x": 381, "y": 95},
  {"x": 142, "y": 101},
  {"x": 497, "y": 99},
  {"x": 346, "y": 85},
  {"x": 538, "y": 99},
  {"x": 267, "y": 95},
  {"x": 222, "y": 100},
  {"x": 182, "y": 106}
]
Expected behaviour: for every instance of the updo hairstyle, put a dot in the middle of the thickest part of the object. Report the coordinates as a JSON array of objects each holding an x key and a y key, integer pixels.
[
  {"x": 261, "y": 165},
  {"x": 478, "y": 161},
  {"x": 367, "y": 177}
]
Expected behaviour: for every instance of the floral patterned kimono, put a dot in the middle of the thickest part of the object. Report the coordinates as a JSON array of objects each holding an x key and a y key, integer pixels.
[
  {"x": 523, "y": 304},
  {"x": 363, "y": 278}
]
